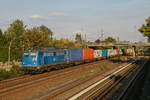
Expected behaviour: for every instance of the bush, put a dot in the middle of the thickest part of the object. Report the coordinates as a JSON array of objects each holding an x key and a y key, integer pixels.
[
  {"x": 14, "y": 72},
  {"x": 4, "y": 74}
]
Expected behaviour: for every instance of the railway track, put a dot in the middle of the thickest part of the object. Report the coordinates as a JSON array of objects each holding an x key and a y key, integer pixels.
[
  {"x": 70, "y": 89},
  {"x": 128, "y": 88},
  {"x": 91, "y": 91},
  {"x": 26, "y": 80},
  {"x": 83, "y": 94},
  {"x": 122, "y": 95},
  {"x": 61, "y": 93},
  {"x": 14, "y": 83}
]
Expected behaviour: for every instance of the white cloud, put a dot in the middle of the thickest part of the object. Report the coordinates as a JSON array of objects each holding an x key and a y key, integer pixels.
[
  {"x": 39, "y": 17},
  {"x": 59, "y": 14}
]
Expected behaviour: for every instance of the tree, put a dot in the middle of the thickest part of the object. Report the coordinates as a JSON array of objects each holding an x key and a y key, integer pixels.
[
  {"x": 145, "y": 29},
  {"x": 78, "y": 38},
  {"x": 14, "y": 35},
  {"x": 65, "y": 43},
  {"x": 1, "y": 33},
  {"x": 34, "y": 38},
  {"x": 16, "y": 29},
  {"x": 46, "y": 31},
  {"x": 97, "y": 41},
  {"x": 110, "y": 39}
]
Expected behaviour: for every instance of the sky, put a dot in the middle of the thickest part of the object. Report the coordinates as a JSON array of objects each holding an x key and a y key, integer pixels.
[{"x": 115, "y": 18}]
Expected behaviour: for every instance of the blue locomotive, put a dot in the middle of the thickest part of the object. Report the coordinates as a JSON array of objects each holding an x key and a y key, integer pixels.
[{"x": 38, "y": 58}]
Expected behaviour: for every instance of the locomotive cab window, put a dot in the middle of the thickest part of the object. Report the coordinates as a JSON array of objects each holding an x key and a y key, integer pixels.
[
  {"x": 26, "y": 54},
  {"x": 33, "y": 54}
]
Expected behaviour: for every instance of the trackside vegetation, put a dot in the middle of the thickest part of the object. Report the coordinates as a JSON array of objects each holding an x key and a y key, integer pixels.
[
  {"x": 145, "y": 29},
  {"x": 13, "y": 72}
]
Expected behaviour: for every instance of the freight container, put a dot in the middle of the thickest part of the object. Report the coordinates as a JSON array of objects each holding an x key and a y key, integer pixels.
[
  {"x": 88, "y": 54},
  {"x": 74, "y": 55},
  {"x": 129, "y": 51},
  {"x": 52, "y": 57},
  {"x": 110, "y": 52},
  {"x": 114, "y": 52},
  {"x": 117, "y": 52},
  {"x": 104, "y": 53},
  {"x": 97, "y": 53},
  {"x": 120, "y": 52}
]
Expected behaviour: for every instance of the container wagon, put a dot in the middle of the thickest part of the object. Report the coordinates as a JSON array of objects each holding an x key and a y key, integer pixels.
[
  {"x": 74, "y": 56},
  {"x": 97, "y": 54},
  {"x": 104, "y": 53},
  {"x": 88, "y": 55}
]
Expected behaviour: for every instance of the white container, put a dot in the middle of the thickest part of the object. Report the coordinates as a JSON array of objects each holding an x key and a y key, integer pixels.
[
  {"x": 120, "y": 52},
  {"x": 114, "y": 53},
  {"x": 97, "y": 53},
  {"x": 110, "y": 52}
]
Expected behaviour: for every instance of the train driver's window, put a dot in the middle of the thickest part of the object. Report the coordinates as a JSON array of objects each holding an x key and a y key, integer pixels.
[{"x": 26, "y": 54}]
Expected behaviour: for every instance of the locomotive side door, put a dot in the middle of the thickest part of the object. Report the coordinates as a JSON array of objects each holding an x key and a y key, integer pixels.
[
  {"x": 66, "y": 51},
  {"x": 42, "y": 58}
]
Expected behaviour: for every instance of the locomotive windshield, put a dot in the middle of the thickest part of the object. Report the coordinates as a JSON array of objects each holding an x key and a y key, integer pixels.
[
  {"x": 33, "y": 54},
  {"x": 26, "y": 54}
]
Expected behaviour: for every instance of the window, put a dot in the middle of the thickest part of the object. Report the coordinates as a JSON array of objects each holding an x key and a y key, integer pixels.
[
  {"x": 60, "y": 53},
  {"x": 48, "y": 54},
  {"x": 26, "y": 54},
  {"x": 33, "y": 54}
]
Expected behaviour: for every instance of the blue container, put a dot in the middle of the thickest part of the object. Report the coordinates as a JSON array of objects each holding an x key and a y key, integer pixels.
[
  {"x": 104, "y": 53},
  {"x": 74, "y": 55}
]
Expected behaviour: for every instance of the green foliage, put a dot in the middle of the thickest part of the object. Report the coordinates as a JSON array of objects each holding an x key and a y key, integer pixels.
[
  {"x": 3, "y": 49},
  {"x": 34, "y": 38},
  {"x": 16, "y": 29},
  {"x": 14, "y": 72},
  {"x": 78, "y": 38},
  {"x": 65, "y": 43},
  {"x": 12, "y": 38},
  {"x": 145, "y": 29},
  {"x": 1, "y": 33},
  {"x": 1, "y": 37},
  {"x": 3, "y": 54},
  {"x": 110, "y": 39},
  {"x": 97, "y": 41},
  {"x": 4, "y": 74},
  {"x": 46, "y": 31},
  {"x": 103, "y": 68}
]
